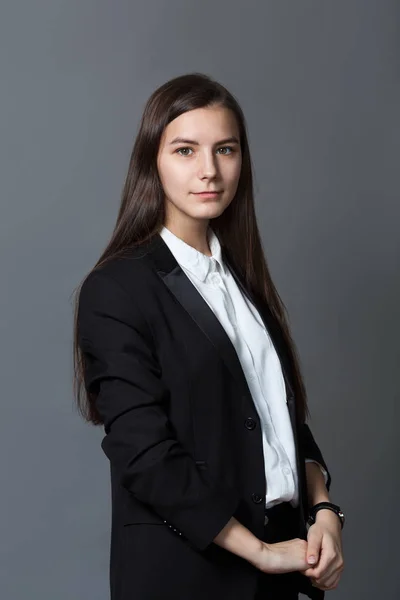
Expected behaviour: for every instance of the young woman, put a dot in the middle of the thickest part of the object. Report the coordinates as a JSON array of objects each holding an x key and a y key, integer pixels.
[{"x": 182, "y": 352}]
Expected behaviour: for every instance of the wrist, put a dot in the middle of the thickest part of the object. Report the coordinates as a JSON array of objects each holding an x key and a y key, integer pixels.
[
  {"x": 260, "y": 558},
  {"x": 327, "y": 516}
]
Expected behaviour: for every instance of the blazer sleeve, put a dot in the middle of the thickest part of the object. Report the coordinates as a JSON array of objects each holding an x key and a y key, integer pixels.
[
  {"x": 121, "y": 367},
  {"x": 312, "y": 452}
]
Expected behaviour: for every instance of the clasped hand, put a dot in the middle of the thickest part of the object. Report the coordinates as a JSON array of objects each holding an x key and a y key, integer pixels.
[
  {"x": 324, "y": 545},
  {"x": 320, "y": 557}
]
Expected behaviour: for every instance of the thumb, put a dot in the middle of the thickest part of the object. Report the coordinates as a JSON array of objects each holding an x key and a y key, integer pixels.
[{"x": 313, "y": 548}]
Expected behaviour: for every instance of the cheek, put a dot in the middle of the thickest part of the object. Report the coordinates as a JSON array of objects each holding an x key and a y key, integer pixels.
[
  {"x": 173, "y": 175},
  {"x": 232, "y": 172}
]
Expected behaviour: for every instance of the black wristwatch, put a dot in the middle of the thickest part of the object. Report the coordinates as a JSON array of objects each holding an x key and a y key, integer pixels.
[{"x": 334, "y": 507}]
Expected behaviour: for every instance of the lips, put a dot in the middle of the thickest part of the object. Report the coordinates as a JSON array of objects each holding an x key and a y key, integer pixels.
[{"x": 208, "y": 193}]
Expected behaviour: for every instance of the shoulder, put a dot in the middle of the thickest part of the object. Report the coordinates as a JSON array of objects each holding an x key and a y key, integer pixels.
[
  {"x": 111, "y": 297},
  {"x": 131, "y": 271},
  {"x": 124, "y": 285}
]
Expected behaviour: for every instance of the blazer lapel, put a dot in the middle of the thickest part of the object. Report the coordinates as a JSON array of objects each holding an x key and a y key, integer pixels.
[{"x": 173, "y": 276}]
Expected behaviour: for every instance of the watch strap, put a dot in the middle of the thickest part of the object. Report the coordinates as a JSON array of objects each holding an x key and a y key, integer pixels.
[{"x": 329, "y": 505}]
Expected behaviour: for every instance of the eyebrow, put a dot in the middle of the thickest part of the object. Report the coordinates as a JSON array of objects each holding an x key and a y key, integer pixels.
[{"x": 179, "y": 140}]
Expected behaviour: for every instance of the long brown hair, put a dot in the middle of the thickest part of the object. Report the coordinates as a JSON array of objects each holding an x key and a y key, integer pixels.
[{"x": 142, "y": 212}]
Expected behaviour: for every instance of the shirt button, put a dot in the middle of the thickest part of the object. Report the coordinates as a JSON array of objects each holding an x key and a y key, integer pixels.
[
  {"x": 286, "y": 470},
  {"x": 250, "y": 423},
  {"x": 256, "y": 498}
]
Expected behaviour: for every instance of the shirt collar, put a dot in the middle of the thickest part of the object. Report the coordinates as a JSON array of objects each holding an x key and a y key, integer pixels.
[{"x": 194, "y": 261}]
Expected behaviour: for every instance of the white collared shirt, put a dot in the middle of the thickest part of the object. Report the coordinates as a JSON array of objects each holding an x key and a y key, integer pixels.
[{"x": 258, "y": 358}]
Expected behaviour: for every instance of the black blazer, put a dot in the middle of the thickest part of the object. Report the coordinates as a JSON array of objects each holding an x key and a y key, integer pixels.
[{"x": 176, "y": 410}]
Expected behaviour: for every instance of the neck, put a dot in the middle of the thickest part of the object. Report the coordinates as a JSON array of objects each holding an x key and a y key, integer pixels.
[{"x": 193, "y": 233}]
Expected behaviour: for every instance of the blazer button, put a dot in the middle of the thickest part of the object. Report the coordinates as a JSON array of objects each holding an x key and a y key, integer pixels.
[
  {"x": 250, "y": 423},
  {"x": 256, "y": 498}
]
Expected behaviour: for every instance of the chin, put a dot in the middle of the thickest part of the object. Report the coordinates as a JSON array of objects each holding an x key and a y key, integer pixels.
[{"x": 210, "y": 213}]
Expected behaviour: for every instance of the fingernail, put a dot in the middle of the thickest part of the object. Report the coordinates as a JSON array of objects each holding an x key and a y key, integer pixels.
[{"x": 311, "y": 559}]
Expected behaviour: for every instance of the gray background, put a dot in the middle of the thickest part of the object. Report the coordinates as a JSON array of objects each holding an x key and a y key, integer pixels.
[{"x": 319, "y": 84}]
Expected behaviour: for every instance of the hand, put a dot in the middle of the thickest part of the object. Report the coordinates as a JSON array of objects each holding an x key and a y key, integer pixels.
[
  {"x": 282, "y": 557},
  {"x": 325, "y": 544}
]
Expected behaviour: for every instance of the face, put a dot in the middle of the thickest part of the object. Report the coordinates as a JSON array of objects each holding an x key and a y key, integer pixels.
[{"x": 199, "y": 152}]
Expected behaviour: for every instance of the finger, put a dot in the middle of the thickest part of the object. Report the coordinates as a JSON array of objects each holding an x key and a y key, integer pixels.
[
  {"x": 317, "y": 571},
  {"x": 327, "y": 559},
  {"x": 329, "y": 566},
  {"x": 329, "y": 584},
  {"x": 327, "y": 577},
  {"x": 313, "y": 549},
  {"x": 333, "y": 573},
  {"x": 322, "y": 569},
  {"x": 333, "y": 584}
]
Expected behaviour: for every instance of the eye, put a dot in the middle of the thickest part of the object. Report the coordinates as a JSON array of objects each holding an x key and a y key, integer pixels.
[
  {"x": 185, "y": 148},
  {"x": 227, "y": 148}
]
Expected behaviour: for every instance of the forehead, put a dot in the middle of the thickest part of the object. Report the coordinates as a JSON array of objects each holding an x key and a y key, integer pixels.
[{"x": 203, "y": 124}]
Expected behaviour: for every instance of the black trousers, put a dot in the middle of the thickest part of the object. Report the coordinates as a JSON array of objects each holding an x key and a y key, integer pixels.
[{"x": 282, "y": 521}]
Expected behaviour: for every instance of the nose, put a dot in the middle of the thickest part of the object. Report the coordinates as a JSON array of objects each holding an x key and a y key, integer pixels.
[{"x": 207, "y": 165}]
